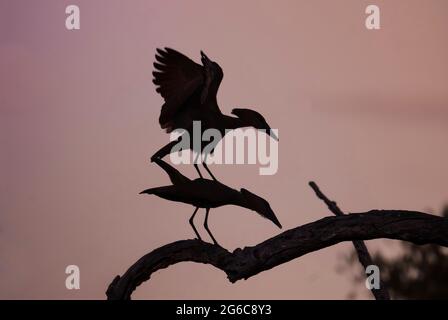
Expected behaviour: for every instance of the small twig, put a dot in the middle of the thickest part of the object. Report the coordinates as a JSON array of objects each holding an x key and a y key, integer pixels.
[
  {"x": 332, "y": 206},
  {"x": 363, "y": 254}
]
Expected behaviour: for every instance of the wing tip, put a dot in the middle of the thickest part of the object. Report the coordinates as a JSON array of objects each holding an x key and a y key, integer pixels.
[
  {"x": 161, "y": 54},
  {"x": 159, "y": 66}
]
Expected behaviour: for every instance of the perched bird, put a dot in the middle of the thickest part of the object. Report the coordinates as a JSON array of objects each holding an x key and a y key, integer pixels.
[
  {"x": 205, "y": 193},
  {"x": 189, "y": 91}
]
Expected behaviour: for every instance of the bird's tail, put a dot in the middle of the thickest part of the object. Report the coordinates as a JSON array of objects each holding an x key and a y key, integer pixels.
[
  {"x": 166, "y": 192},
  {"x": 155, "y": 191},
  {"x": 175, "y": 176},
  {"x": 164, "y": 150}
]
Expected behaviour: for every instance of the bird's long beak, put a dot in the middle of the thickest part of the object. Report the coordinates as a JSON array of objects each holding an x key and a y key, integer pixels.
[
  {"x": 271, "y": 133},
  {"x": 271, "y": 216},
  {"x": 277, "y": 223}
]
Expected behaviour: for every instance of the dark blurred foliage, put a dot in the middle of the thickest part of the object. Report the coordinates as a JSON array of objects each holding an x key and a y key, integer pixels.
[{"x": 420, "y": 272}]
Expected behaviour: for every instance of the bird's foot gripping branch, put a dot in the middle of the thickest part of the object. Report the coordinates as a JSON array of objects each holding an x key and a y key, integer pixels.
[{"x": 416, "y": 227}]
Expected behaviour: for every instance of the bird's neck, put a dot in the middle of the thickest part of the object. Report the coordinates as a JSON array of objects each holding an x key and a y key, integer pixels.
[
  {"x": 233, "y": 122},
  {"x": 240, "y": 201},
  {"x": 212, "y": 91}
]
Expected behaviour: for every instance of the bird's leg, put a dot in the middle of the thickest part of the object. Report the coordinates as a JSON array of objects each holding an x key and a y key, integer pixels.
[
  {"x": 197, "y": 169},
  {"x": 208, "y": 170},
  {"x": 207, "y": 210},
  {"x": 192, "y": 224}
]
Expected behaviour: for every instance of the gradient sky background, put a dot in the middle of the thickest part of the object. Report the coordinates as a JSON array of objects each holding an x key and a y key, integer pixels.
[{"x": 363, "y": 113}]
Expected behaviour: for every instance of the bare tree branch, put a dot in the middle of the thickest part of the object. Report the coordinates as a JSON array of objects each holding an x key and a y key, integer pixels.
[
  {"x": 416, "y": 227},
  {"x": 361, "y": 249}
]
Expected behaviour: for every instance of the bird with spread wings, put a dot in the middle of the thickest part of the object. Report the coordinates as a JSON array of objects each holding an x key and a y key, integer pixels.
[{"x": 189, "y": 90}]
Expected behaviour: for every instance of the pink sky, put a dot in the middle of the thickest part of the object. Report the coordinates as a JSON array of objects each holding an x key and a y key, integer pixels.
[{"x": 363, "y": 113}]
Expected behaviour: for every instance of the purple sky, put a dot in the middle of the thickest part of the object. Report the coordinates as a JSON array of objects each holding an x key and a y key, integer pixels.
[{"x": 363, "y": 113}]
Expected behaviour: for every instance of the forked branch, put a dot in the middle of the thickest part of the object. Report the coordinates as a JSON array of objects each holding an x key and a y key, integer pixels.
[
  {"x": 415, "y": 227},
  {"x": 361, "y": 249}
]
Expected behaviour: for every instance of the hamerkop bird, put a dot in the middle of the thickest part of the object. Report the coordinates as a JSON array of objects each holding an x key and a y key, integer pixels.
[
  {"x": 189, "y": 91},
  {"x": 205, "y": 193}
]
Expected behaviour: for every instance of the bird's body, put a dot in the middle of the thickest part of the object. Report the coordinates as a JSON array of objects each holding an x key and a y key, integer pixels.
[
  {"x": 190, "y": 90},
  {"x": 205, "y": 193},
  {"x": 201, "y": 193}
]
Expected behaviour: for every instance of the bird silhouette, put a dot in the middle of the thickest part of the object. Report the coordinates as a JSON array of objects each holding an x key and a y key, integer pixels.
[
  {"x": 206, "y": 193},
  {"x": 189, "y": 90}
]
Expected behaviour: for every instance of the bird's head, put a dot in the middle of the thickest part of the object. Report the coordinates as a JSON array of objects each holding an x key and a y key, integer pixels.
[
  {"x": 254, "y": 119},
  {"x": 212, "y": 67},
  {"x": 259, "y": 205}
]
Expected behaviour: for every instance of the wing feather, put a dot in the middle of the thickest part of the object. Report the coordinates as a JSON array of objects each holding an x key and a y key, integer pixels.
[
  {"x": 173, "y": 71},
  {"x": 177, "y": 78}
]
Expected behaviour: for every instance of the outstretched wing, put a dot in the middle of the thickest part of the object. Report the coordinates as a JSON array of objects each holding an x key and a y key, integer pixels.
[{"x": 179, "y": 81}]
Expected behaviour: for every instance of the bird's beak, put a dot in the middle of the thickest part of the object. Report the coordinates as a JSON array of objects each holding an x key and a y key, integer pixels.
[
  {"x": 275, "y": 221},
  {"x": 269, "y": 213},
  {"x": 271, "y": 133}
]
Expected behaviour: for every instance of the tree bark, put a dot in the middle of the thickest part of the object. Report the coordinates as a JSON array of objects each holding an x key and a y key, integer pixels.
[
  {"x": 361, "y": 249},
  {"x": 416, "y": 227}
]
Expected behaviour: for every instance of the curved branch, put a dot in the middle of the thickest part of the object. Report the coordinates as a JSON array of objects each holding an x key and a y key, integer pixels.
[{"x": 416, "y": 227}]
